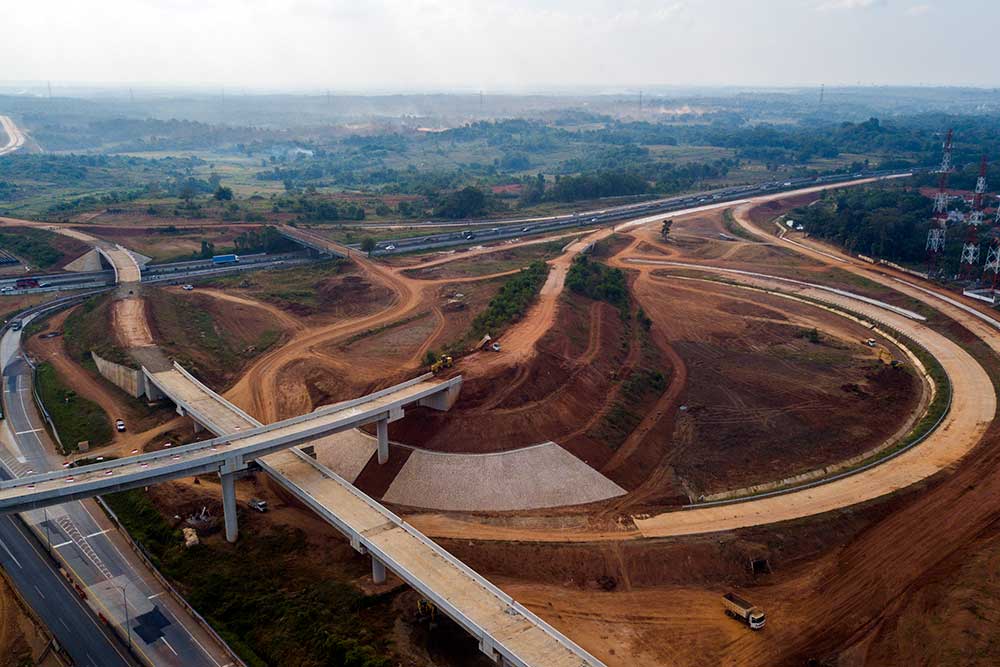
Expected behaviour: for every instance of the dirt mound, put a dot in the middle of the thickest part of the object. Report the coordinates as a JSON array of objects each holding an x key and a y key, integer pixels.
[
  {"x": 213, "y": 338},
  {"x": 561, "y": 394}
]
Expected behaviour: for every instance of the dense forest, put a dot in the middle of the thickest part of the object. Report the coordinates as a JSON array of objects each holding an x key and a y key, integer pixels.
[{"x": 887, "y": 223}]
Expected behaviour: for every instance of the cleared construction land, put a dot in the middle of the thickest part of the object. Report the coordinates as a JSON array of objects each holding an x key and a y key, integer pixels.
[{"x": 692, "y": 383}]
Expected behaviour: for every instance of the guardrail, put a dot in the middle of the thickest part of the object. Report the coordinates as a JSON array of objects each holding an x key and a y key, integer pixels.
[{"x": 140, "y": 551}]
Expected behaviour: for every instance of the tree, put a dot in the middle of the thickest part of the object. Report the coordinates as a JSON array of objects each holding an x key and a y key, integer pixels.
[
  {"x": 222, "y": 193},
  {"x": 368, "y": 244},
  {"x": 207, "y": 249},
  {"x": 665, "y": 229}
]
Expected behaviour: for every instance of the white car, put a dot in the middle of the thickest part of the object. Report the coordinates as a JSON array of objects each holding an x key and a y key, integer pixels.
[
  {"x": 187, "y": 288},
  {"x": 120, "y": 425},
  {"x": 390, "y": 247},
  {"x": 495, "y": 347}
]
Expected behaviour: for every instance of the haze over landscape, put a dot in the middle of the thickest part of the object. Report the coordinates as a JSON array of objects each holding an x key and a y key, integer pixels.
[
  {"x": 518, "y": 334},
  {"x": 510, "y": 45}
]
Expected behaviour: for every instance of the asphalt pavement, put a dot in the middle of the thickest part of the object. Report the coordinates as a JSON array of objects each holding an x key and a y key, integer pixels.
[{"x": 88, "y": 546}]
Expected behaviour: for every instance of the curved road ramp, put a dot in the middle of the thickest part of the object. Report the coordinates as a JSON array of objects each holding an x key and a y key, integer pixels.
[{"x": 507, "y": 632}]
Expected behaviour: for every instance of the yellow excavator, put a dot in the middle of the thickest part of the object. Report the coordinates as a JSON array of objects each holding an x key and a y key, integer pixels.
[{"x": 444, "y": 361}]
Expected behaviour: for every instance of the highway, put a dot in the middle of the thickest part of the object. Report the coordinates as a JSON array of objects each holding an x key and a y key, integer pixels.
[
  {"x": 14, "y": 136},
  {"x": 88, "y": 546},
  {"x": 517, "y": 227}
]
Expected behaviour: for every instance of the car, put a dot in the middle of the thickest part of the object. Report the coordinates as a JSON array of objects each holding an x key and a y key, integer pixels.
[
  {"x": 120, "y": 425},
  {"x": 526, "y": 229},
  {"x": 390, "y": 247},
  {"x": 6, "y": 288},
  {"x": 495, "y": 347},
  {"x": 187, "y": 288},
  {"x": 257, "y": 504}
]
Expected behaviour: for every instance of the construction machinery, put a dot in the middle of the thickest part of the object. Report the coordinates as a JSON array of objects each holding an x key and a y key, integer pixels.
[
  {"x": 744, "y": 611},
  {"x": 444, "y": 361}
]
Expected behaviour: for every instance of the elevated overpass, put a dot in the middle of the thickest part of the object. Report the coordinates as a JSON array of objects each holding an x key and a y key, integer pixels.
[
  {"x": 313, "y": 241},
  {"x": 506, "y": 631},
  {"x": 243, "y": 441},
  {"x": 126, "y": 267}
]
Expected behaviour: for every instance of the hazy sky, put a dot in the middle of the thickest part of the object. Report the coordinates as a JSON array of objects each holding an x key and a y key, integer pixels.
[{"x": 501, "y": 44}]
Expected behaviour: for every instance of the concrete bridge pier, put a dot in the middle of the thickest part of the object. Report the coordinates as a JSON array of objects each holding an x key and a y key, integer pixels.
[
  {"x": 378, "y": 571},
  {"x": 229, "y": 504},
  {"x": 382, "y": 431},
  {"x": 382, "y": 427}
]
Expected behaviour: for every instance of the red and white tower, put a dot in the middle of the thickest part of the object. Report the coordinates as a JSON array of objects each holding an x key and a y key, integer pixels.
[
  {"x": 939, "y": 222},
  {"x": 970, "y": 250},
  {"x": 978, "y": 200}
]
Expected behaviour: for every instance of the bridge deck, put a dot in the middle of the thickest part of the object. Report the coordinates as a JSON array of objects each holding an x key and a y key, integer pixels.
[
  {"x": 434, "y": 572},
  {"x": 126, "y": 268},
  {"x": 496, "y": 620}
]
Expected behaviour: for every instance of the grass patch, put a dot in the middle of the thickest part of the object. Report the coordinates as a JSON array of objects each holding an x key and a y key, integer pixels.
[
  {"x": 75, "y": 417},
  {"x": 734, "y": 228},
  {"x": 85, "y": 330},
  {"x": 284, "y": 614},
  {"x": 294, "y": 287}
]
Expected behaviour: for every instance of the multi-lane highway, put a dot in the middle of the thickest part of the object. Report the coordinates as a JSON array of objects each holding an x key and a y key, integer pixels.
[
  {"x": 12, "y": 137},
  {"x": 83, "y": 541},
  {"x": 472, "y": 231}
]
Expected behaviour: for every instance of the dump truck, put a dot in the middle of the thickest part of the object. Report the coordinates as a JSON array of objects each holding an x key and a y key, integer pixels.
[{"x": 744, "y": 611}]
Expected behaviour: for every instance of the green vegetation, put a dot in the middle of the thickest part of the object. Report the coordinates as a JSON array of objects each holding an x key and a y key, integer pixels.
[
  {"x": 734, "y": 228},
  {"x": 294, "y": 289},
  {"x": 76, "y": 418},
  {"x": 285, "y": 612},
  {"x": 599, "y": 281},
  {"x": 882, "y": 222},
  {"x": 626, "y": 412},
  {"x": 85, "y": 330},
  {"x": 511, "y": 302},
  {"x": 32, "y": 245}
]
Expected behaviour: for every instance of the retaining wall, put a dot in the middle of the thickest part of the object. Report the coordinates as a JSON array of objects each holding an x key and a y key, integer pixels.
[{"x": 129, "y": 380}]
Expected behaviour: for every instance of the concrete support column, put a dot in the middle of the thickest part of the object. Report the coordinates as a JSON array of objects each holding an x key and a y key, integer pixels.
[
  {"x": 382, "y": 426},
  {"x": 378, "y": 571},
  {"x": 198, "y": 428},
  {"x": 229, "y": 504}
]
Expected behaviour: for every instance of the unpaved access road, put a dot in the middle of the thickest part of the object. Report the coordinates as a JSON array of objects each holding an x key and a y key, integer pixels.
[{"x": 973, "y": 408}]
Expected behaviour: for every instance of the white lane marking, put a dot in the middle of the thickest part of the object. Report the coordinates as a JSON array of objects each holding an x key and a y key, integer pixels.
[
  {"x": 100, "y": 532},
  {"x": 12, "y": 557},
  {"x": 40, "y": 592},
  {"x": 33, "y": 430},
  {"x": 156, "y": 595},
  {"x": 168, "y": 645},
  {"x": 62, "y": 544},
  {"x": 64, "y": 623}
]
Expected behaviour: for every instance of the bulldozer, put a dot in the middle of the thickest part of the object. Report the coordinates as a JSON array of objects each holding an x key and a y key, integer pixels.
[{"x": 444, "y": 361}]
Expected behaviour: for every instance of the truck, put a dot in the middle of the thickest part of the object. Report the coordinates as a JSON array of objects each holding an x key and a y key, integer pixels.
[
  {"x": 743, "y": 611},
  {"x": 25, "y": 283},
  {"x": 221, "y": 260}
]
